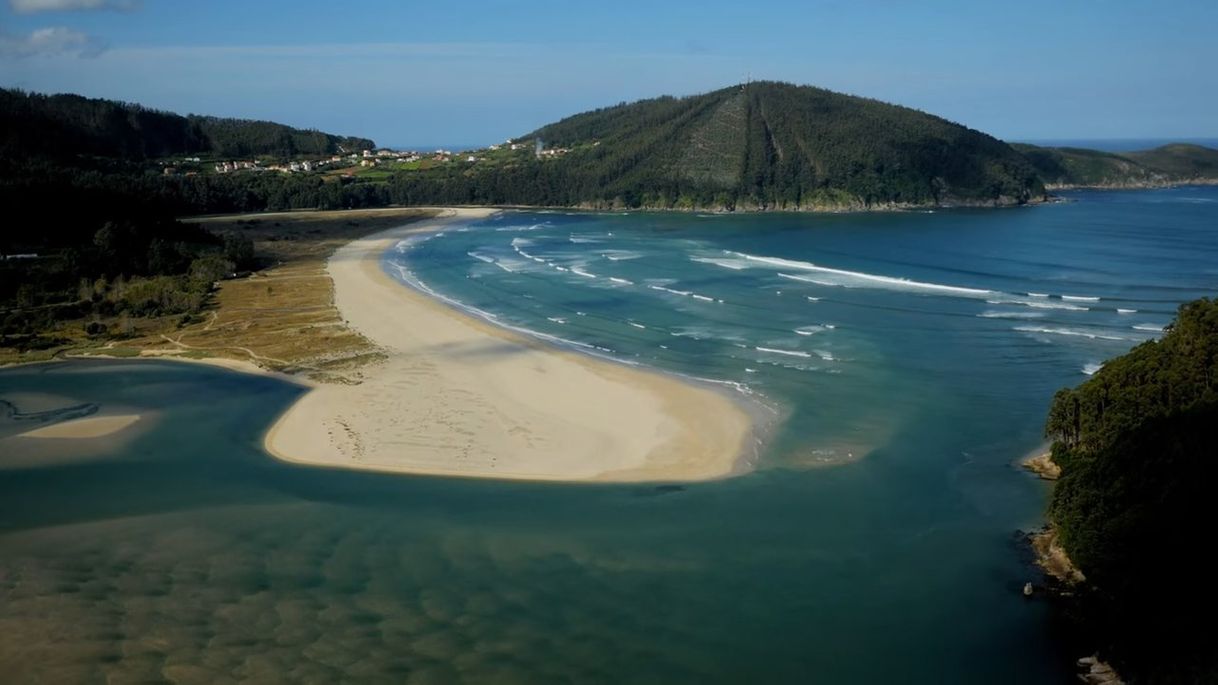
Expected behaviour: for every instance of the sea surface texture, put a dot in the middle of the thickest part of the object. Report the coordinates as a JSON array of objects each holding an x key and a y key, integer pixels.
[{"x": 905, "y": 362}]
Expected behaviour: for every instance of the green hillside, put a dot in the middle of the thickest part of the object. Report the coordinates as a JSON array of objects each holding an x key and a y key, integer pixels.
[
  {"x": 757, "y": 146},
  {"x": 1169, "y": 164},
  {"x": 69, "y": 127},
  {"x": 779, "y": 146}
]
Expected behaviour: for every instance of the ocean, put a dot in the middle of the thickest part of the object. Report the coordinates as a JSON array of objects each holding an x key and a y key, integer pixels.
[{"x": 908, "y": 360}]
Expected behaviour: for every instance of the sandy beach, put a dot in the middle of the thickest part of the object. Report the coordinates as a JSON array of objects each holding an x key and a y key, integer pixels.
[{"x": 458, "y": 396}]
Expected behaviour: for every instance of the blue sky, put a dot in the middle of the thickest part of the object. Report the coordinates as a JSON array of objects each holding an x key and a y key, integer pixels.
[{"x": 472, "y": 72}]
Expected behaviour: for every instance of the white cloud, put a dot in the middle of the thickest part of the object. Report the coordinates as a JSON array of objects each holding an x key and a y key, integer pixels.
[
  {"x": 48, "y": 42},
  {"x": 34, "y": 6}
]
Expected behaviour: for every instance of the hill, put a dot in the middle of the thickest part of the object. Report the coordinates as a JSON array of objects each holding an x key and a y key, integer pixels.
[
  {"x": 1063, "y": 167},
  {"x": 774, "y": 145},
  {"x": 757, "y": 146},
  {"x": 1138, "y": 449},
  {"x": 69, "y": 127}
]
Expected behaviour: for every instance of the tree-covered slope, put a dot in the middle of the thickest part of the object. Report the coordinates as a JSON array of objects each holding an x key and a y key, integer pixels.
[
  {"x": 67, "y": 127},
  {"x": 780, "y": 146},
  {"x": 1134, "y": 507},
  {"x": 1169, "y": 164}
]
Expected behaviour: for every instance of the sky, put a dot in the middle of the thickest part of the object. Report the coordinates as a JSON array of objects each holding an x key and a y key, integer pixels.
[{"x": 410, "y": 73}]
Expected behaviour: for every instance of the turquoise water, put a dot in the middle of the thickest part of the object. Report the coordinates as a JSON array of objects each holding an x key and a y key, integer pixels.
[{"x": 875, "y": 541}]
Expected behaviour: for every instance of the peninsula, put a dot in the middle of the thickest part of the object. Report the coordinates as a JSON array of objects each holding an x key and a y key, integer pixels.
[{"x": 454, "y": 395}]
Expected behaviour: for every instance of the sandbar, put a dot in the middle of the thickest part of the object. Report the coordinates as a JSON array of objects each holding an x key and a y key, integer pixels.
[
  {"x": 459, "y": 396},
  {"x": 85, "y": 428}
]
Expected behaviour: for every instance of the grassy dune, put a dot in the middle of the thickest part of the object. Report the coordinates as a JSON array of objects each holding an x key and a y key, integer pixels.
[{"x": 281, "y": 317}]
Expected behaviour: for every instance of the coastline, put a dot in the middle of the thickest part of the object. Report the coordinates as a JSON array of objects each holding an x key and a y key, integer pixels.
[
  {"x": 1041, "y": 463},
  {"x": 457, "y": 396},
  {"x": 1134, "y": 185}
]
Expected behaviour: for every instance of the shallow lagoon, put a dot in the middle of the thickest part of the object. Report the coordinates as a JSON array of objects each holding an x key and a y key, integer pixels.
[{"x": 178, "y": 549}]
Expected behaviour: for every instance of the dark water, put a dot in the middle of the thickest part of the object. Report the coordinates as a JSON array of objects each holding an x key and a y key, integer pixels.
[{"x": 185, "y": 552}]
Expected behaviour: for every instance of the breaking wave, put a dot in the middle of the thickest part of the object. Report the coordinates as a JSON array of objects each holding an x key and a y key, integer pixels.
[{"x": 1072, "y": 332}]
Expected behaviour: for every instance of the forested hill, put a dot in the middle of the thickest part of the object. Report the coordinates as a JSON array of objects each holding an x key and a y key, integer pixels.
[
  {"x": 69, "y": 127},
  {"x": 1134, "y": 508},
  {"x": 781, "y": 146},
  {"x": 1077, "y": 167}
]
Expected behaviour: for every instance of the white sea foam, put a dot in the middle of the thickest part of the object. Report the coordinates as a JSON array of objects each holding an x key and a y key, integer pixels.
[
  {"x": 1155, "y": 328},
  {"x": 620, "y": 255},
  {"x": 1072, "y": 332},
  {"x": 580, "y": 272},
  {"x": 1091, "y": 367},
  {"x": 991, "y": 314},
  {"x": 792, "y": 353},
  {"x": 704, "y": 298},
  {"x": 623, "y": 281},
  {"x": 862, "y": 279},
  {"x": 478, "y": 255},
  {"x": 1038, "y": 304},
  {"x": 1038, "y": 294},
  {"x": 825, "y": 355},
  {"x": 637, "y": 325},
  {"x": 733, "y": 264},
  {"x": 556, "y": 319},
  {"x": 706, "y": 333},
  {"x": 809, "y": 330},
  {"x": 585, "y": 239},
  {"x": 1080, "y": 298},
  {"x": 692, "y": 332},
  {"x": 816, "y": 281},
  {"x": 813, "y": 299},
  {"x": 659, "y": 281},
  {"x": 683, "y": 293},
  {"x": 1126, "y": 311}
]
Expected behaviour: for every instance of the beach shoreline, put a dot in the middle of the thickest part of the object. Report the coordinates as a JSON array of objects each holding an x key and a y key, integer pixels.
[{"x": 459, "y": 396}]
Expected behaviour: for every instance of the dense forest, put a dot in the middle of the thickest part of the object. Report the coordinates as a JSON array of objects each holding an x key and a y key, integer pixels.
[
  {"x": 69, "y": 128},
  {"x": 1138, "y": 450},
  {"x": 140, "y": 265},
  {"x": 1175, "y": 163},
  {"x": 757, "y": 146},
  {"x": 765, "y": 145}
]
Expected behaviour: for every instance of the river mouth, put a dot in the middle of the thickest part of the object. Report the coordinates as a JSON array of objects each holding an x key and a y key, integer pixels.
[{"x": 187, "y": 552}]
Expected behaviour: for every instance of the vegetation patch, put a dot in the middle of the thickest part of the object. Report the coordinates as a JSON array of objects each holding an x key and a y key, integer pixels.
[{"x": 1137, "y": 447}]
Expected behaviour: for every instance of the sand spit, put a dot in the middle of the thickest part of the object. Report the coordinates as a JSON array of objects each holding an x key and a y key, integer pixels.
[
  {"x": 459, "y": 396},
  {"x": 84, "y": 429}
]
